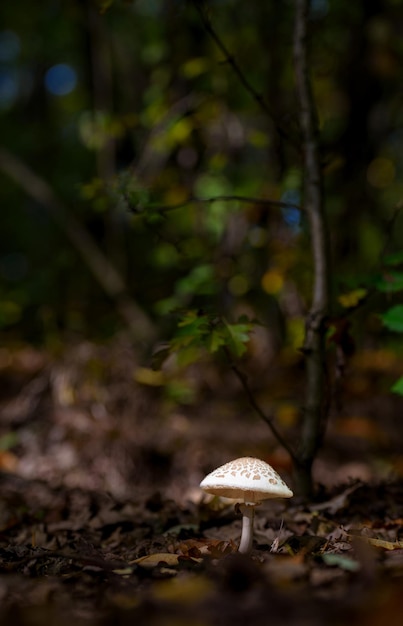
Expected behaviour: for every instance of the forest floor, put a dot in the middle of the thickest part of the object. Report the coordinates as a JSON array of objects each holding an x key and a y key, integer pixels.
[{"x": 102, "y": 520}]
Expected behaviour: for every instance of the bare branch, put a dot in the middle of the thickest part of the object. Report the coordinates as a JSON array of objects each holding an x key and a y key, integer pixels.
[
  {"x": 225, "y": 198},
  {"x": 243, "y": 379},
  {"x": 232, "y": 62}
]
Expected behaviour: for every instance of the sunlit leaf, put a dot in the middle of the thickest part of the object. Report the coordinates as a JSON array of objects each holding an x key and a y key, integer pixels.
[
  {"x": 215, "y": 340},
  {"x": 380, "y": 543},
  {"x": 152, "y": 560},
  {"x": 352, "y": 298},
  {"x": 393, "y": 318},
  {"x": 238, "y": 337},
  {"x": 191, "y": 328},
  {"x": 189, "y": 318}
]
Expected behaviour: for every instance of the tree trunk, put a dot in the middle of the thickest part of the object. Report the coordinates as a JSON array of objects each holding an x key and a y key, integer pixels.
[{"x": 315, "y": 410}]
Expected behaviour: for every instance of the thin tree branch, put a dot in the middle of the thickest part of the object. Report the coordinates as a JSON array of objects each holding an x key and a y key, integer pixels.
[
  {"x": 313, "y": 178},
  {"x": 232, "y": 62},
  {"x": 224, "y": 198},
  {"x": 102, "y": 269},
  {"x": 243, "y": 379}
]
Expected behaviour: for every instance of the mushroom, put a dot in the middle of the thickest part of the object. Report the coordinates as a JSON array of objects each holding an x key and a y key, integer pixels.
[{"x": 249, "y": 481}]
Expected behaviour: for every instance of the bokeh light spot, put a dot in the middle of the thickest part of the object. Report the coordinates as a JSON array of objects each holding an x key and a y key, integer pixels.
[
  {"x": 60, "y": 79},
  {"x": 291, "y": 214},
  {"x": 273, "y": 282},
  {"x": 238, "y": 285}
]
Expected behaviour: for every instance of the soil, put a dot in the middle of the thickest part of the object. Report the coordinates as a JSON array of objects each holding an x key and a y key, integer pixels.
[{"x": 102, "y": 520}]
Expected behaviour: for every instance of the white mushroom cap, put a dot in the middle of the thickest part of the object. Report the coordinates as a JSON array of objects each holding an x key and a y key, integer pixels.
[{"x": 247, "y": 480}]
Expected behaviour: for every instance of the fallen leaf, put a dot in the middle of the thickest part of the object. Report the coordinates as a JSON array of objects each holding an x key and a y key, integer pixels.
[
  {"x": 213, "y": 547},
  {"x": 152, "y": 560},
  {"x": 127, "y": 571},
  {"x": 164, "y": 558},
  {"x": 380, "y": 543}
]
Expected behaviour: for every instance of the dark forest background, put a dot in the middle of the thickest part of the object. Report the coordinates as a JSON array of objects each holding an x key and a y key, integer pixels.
[{"x": 142, "y": 179}]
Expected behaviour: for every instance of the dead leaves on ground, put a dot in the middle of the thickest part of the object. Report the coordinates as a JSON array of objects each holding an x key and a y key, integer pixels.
[{"x": 76, "y": 548}]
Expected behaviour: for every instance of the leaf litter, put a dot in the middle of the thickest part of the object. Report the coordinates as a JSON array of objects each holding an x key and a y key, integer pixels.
[{"x": 130, "y": 549}]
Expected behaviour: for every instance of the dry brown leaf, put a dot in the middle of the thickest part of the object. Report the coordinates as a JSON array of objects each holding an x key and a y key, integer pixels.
[
  {"x": 152, "y": 560},
  {"x": 380, "y": 543},
  {"x": 216, "y": 548},
  {"x": 164, "y": 558}
]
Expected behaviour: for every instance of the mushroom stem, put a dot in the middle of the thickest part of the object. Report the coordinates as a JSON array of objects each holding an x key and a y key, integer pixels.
[{"x": 248, "y": 514}]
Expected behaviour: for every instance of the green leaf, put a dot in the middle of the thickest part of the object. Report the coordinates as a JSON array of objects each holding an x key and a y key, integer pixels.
[
  {"x": 238, "y": 337},
  {"x": 398, "y": 387},
  {"x": 189, "y": 318},
  {"x": 192, "y": 328},
  {"x": 216, "y": 340},
  {"x": 344, "y": 562},
  {"x": 393, "y": 318}
]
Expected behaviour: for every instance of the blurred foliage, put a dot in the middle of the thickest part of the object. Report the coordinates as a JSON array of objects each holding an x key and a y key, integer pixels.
[
  {"x": 200, "y": 329},
  {"x": 129, "y": 111}
]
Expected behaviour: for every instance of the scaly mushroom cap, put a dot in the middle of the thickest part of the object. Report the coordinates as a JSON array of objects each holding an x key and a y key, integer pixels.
[{"x": 246, "y": 480}]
